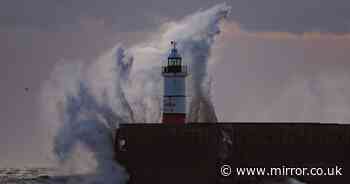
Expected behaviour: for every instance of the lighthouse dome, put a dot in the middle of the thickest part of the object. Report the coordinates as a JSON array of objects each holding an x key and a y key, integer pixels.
[{"x": 174, "y": 52}]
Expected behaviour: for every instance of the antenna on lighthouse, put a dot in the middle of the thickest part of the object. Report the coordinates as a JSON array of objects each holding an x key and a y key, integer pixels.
[{"x": 173, "y": 43}]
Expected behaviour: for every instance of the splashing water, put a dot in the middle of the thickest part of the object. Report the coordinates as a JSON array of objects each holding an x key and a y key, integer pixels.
[{"x": 86, "y": 102}]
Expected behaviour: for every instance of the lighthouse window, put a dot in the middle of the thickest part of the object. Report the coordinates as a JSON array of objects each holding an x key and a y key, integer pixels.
[
  {"x": 172, "y": 62},
  {"x": 122, "y": 144},
  {"x": 175, "y": 62}
]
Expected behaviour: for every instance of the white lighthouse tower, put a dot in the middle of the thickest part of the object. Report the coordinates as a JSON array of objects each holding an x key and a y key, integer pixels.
[{"x": 174, "y": 99}]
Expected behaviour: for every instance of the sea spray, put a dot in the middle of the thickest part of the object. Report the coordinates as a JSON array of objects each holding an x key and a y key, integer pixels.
[
  {"x": 86, "y": 102},
  {"x": 89, "y": 111}
]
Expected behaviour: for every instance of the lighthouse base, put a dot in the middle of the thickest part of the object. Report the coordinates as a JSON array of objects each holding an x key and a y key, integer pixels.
[{"x": 174, "y": 118}]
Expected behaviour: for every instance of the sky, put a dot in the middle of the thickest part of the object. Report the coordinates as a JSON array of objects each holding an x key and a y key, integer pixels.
[{"x": 274, "y": 60}]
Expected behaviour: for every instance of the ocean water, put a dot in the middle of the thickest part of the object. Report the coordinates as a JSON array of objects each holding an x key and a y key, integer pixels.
[
  {"x": 52, "y": 176},
  {"x": 31, "y": 175}
]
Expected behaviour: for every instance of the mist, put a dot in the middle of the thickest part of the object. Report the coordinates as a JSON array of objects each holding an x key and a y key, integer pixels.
[{"x": 84, "y": 103}]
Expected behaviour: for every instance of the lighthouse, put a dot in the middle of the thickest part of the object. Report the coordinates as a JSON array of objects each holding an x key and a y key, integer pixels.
[{"x": 174, "y": 99}]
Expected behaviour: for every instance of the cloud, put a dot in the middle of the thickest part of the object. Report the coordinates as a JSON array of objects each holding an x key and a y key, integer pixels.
[
  {"x": 232, "y": 29},
  {"x": 131, "y": 15},
  {"x": 281, "y": 76}
]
